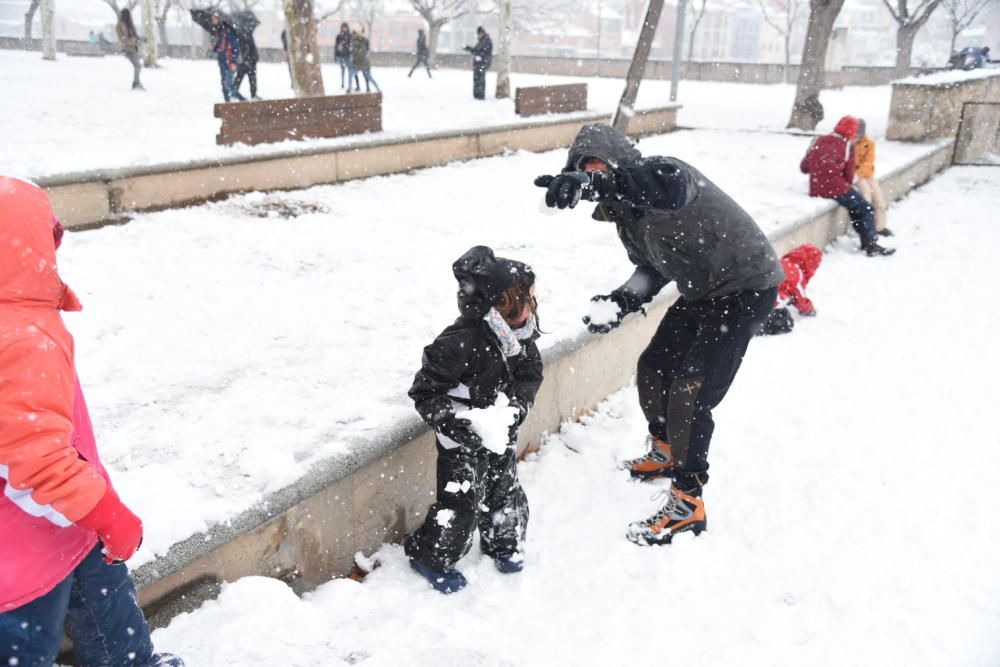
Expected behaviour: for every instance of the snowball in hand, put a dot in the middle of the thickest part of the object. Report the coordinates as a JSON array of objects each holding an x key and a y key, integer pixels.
[
  {"x": 493, "y": 423},
  {"x": 604, "y": 311}
]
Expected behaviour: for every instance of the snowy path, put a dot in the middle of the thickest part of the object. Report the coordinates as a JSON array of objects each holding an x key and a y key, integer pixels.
[
  {"x": 211, "y": 335},
  {"x": 78, "y": 113},
  {"x": 852, "y": 505}
]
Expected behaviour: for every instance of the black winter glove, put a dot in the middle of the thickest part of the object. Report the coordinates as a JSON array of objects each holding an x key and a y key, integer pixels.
[
  {"x": 567, "y": 189},
  {"x": 522, "y": 413},
  {"x": 460, "y": 430},
  {"x": 607, "y": 327}
]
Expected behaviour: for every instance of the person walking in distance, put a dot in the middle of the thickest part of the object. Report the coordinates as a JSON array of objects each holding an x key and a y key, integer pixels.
[
  {"x": 128, "y": 39},
  {"x": 422, "y": 54},
  {"x": 676, "y": 226},
  {"x": 482, "y": 56}
]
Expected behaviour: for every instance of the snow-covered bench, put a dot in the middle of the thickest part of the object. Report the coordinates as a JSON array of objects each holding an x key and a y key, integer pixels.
[
  {"x": 299, "y": 118},
  {"x": 537, "y": 100}
]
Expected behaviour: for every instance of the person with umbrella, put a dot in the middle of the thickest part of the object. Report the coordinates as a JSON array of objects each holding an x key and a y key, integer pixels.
[
  {"x": 226, "y": 46},
  {"x": 245, "y": 23}
]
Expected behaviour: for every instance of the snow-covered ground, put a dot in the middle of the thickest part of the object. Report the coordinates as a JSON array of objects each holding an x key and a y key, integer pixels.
[
  {"x": 853, "y": 502},
  {"x": 223, "y": 353},
  {"x": 79, "y": 113}
]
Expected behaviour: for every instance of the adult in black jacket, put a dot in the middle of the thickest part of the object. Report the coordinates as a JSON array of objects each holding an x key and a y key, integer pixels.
[
  {"x": 423, "y": 53},
  {"x": 467, "y": 366},
  {"x": 245, "y": 23},
  {"x": 482, "y": 56},
  {"x": 676, "y": 226},
  {"x": 342, "y": 53}
]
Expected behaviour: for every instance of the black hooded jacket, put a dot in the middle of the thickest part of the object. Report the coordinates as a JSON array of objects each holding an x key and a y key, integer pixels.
[
  {"x": 465, "y": 363},
  {"x": 675, "y": 224}
]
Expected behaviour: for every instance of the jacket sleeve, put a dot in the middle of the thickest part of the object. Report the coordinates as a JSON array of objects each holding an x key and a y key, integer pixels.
[
  {"x": 655, "y": 183},
  {"x": 528, "y": 378},
  {"x": 445, "y": 362},
  {"x": 804, "y": 165},
  {"x": 37, "y": 457},
  {"x": 849, "y": 165},
  {"x": 644, "y": 284}
]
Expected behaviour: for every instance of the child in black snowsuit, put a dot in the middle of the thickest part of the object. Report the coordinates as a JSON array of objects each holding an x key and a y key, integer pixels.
[{"x": 489, "y": 349}]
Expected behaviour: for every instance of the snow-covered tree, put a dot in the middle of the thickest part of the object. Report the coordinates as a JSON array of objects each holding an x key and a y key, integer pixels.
[
  {"x": 783, "y": 15},
  {"x": 303, "y": 48},
  {"x": 909, "y": 20},
  {"x": 49, "y": 29},
  {"x": 812, "y": 72}
]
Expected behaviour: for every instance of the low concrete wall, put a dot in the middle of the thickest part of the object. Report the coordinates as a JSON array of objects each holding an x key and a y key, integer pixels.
[
  {"x": 93, "y": 198},
  {"x": 922, "y": 110},
  {"x": 609, "y": 67},
  {"x": 310, "y": 531}
]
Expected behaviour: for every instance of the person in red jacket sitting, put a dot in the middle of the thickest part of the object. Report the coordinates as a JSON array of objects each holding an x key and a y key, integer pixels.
[
  {"x": 64, "y": 532},
  {"x": 830, "y": 165},
  {"x": 800, "y": 266}
]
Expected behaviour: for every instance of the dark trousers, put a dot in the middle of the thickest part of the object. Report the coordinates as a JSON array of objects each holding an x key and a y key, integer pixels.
[
  {"x": 479, "y": 83},
  {"x": 345, "y": 69},
  {"x": 862, "y": 215},
  {"x": 96, "y": 604},
  {"x": 474, "y": 489},
  {"x": 421, "y": 60},
  {"x": 687, "y": 369},
  {"x": 248, "y": 70}
]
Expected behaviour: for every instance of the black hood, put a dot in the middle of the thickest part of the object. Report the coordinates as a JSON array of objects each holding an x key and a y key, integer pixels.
[
  {"x": 482, "y": 278},
  {"x": 603, "y": 142}
]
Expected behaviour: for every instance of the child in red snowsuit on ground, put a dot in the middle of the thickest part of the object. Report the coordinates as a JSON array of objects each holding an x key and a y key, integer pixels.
[{"x": 800, "y": 266}]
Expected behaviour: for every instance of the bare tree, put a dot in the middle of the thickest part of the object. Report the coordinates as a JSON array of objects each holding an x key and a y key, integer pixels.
[
  {"x": 162, "y": 8},
  {"x": 506, "y": 27},
  {"x": 963, "y": 13},
  {"x": 909, "y": 22},
  {"x": 437, "y": 13},
  {"x": 366, "y": 11},
  {"x": 697, "y": 13},
  {"x": 29, "y": 16},
  {"x": 149, "y": 33},
  {"x": 782, "y": 15},
  {"x": 116, "y": 8},
  {"x": 303, "y": 48},
  {"x": 812, "y": 72},
  {"x": 49, "y": 29}
]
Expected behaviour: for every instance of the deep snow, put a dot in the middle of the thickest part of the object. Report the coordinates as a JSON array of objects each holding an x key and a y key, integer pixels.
[
  {"x": 210, "y": 335},
  {"x": 852, "y": 507},
  {"x": 86, "y": 104}
]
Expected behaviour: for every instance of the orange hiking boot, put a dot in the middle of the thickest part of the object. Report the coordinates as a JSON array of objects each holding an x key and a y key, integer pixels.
[
  {"x": 680, "y": 513},
  {"x": 657, "y": 462}
]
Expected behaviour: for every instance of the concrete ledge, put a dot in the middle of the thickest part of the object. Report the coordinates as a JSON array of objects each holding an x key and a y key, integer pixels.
[
  {"x": 310, "y": 531},
  {"x": 925, "y": 109},
  {"x": 102, "y": 196}
]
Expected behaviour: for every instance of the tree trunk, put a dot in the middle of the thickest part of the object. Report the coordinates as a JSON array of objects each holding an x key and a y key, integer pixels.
[
  {"x": 307, "y": 75},
  {"x": 49, "y": 29},
  {"x": 29, "y": 17},
  {"x": 788, "y": 55},
  {"x": 954, "y": 38},
  {"x": 149, "y": 33},
  {"x": 822, "y": 14},
  {"x": 433, "y": 33},
  {"x": 506, "y": 28},
  {"x": 161, "y": 29},
  {"x": 638, "y": 66},
  {"x": 905, "y": 35}
]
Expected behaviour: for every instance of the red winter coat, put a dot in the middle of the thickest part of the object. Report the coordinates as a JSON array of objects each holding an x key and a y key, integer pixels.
[
  {"x": 800, "y": 266},
  {"x": 830, "y": 163},
  {"x": 50, "y": 474}
]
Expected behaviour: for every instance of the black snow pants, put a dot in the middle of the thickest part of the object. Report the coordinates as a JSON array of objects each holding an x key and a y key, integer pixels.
[
  {"x": 474, "y": 489},
  {"x": 248, "y": 70},
  {"x": 687, "y": 369},
  {"x": 479, "y": 83}
]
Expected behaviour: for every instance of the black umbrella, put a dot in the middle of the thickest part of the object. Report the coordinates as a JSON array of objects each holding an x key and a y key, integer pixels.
[
  {"x": 203, "y": 17},
  {"x": 246, "y": 21}
]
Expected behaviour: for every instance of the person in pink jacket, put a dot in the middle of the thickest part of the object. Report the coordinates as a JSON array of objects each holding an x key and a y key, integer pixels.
[{"x": 66, "y": 533}]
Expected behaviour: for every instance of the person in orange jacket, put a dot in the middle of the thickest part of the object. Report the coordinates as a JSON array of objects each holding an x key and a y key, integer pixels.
[
  {"x": 66, "y": 533},
  {"x": 864, "y": 158}
]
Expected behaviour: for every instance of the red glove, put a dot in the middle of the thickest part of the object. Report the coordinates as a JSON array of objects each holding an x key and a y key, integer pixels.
[{"x": 119, "y": 530}]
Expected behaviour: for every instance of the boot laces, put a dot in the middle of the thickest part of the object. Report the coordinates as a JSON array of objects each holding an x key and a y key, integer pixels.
[
  {"x": 652, "y": 453},
  {"x": 672, "y": 506}
]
